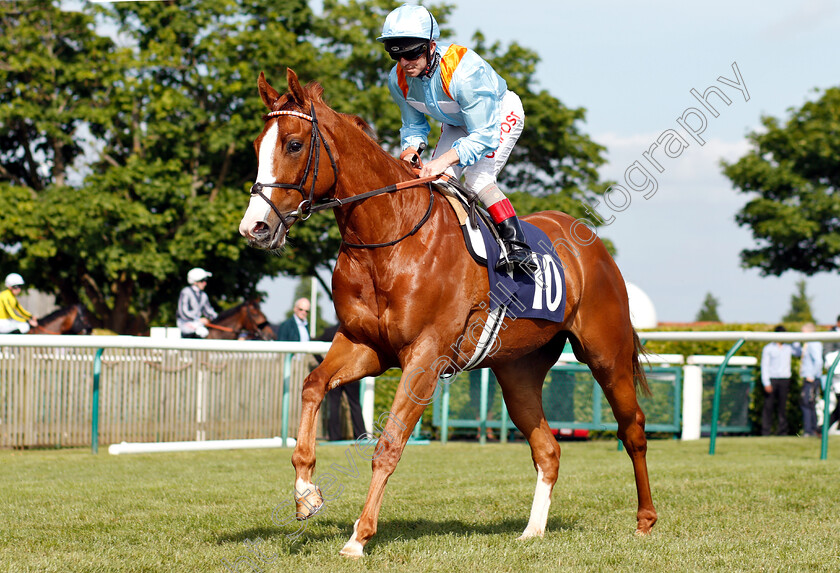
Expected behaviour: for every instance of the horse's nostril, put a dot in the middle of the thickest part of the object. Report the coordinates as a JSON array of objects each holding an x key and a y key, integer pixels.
[{"x": 259, "y": 228}]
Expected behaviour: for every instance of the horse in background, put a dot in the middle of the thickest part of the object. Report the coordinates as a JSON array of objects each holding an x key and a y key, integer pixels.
[
  {"x": 71, "y": 319},
  {"x": 244, "y": 321}
]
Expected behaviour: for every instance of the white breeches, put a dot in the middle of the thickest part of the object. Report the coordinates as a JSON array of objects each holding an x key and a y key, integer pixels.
[
  {"x": 484, "y": 171},
  {"x": 8, "y": 325},
  {"x": 194, "y": 327}
]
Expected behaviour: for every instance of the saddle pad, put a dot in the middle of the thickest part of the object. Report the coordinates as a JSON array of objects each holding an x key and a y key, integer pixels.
[{"x": 541, "y": 295}]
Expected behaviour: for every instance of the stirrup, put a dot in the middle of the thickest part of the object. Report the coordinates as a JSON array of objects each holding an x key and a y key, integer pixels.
[{"x": 521, "y": 258}]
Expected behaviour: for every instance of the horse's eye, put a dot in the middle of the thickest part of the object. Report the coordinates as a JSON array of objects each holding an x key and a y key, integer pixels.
[{"x": 294, "y": 146}]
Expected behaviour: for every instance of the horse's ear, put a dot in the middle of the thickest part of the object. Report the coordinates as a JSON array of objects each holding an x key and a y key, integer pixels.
[
  {"x": 268, "y": 94},
  {"x": 298, "y": 92}
]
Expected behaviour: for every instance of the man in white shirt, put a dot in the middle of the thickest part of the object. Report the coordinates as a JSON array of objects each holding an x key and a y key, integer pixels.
[
  {"x": 296, "y": 328},
  {"x": 775, "y": 377}
]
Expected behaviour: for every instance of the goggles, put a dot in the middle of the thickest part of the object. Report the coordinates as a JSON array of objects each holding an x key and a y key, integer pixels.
[{"x": 410, "y": 50}]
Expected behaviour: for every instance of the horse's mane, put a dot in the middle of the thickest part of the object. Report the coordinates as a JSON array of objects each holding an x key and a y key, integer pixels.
[
  {"x": 315, "y": 91},
  {"x": 229, "y": 312},
  {"x": 56, "y": 314},
  {"x": 234, "y": 309}
]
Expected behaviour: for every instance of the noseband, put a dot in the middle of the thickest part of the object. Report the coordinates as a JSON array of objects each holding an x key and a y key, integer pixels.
[{"x": 305, "y": 208}]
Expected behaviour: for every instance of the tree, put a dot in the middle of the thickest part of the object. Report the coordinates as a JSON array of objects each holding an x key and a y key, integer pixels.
[
  {"x": 800, "y": 306},
  {"x": 709, "y": 311},
  {"x": 164, "y": 176},
  {"x": 124, "y": 165},
  {"x": 792, "y": 174}
]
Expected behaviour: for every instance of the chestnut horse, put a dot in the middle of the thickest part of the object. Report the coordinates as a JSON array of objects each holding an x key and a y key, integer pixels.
[
  {"x": 411, "y": 297},
  {"x": 245, "y": 320},
  {"x": 67, "y": 320}
]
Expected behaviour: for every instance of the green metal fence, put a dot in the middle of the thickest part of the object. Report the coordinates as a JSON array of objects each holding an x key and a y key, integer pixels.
[
  {"x": 572, "y": 399},
  {"x": 736, "y": 388}
]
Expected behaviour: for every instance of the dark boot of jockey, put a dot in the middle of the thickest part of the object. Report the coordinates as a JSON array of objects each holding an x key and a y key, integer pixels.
[
  {"x": 509, "y": 229},
  {"x": 519, "y": 253}
]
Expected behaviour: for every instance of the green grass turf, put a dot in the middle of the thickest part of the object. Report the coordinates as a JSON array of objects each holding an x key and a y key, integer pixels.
[{"x": 759, "y": 504}]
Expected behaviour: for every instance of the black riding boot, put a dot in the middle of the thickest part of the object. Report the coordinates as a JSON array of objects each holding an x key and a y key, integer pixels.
[{"x": 519, "y": 253}]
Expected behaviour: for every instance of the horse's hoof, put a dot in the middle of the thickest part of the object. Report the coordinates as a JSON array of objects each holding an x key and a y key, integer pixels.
[
  {"x": 353, "y": 549},
  {"x": 352, "y": 552},
  {"x": 302, "y": 516},
  {"x": 644, "y": 529},
  {"x": 309, "y": 505},
  {"x": 530, "y": 533}
]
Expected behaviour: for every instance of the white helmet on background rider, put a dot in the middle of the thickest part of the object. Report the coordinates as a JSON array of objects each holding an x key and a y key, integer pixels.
[
  {"x": 197, "y": 275},
  {"x": 406, "y": 29},
  {"x": 13, "y": 280}
]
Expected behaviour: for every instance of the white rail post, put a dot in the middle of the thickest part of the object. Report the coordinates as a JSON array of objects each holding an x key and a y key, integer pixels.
[
  {"x": 692, "y": 406},
  {"x": 368, "y": 385}
]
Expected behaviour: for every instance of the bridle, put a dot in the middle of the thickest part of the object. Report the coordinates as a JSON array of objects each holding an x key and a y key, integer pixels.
[
  {"x": 80, "y": 323},
  {"x": 307, "y": 207},
  {"x": 258, "y": 326}
]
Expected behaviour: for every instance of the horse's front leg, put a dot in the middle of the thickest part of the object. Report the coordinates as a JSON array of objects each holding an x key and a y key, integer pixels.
[
  {"x": 345, "y": 362},
  {"x": 415, "y": 392}
]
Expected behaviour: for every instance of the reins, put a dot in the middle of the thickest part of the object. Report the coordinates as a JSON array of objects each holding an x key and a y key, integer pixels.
[{"x": 306, "y": 207}]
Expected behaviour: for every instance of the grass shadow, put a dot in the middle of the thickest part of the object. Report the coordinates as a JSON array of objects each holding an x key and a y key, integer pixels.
[{"x": 390, "y": 530}]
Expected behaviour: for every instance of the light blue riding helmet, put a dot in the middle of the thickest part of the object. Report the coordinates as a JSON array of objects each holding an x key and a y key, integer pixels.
[{"x": 410, "y": 22}]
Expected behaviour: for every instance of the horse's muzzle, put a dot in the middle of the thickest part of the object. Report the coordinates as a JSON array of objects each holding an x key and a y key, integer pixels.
[{"x": 262, "y": 236}]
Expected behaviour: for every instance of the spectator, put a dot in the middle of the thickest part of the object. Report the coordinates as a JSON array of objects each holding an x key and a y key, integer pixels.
[
  {"x": 296, "y": 328},
  {"x": 351, "y": 390},
  {"x": 13, "y": 317},
  {"x": 194, "y": 310},
  {"x": 810, "y": 372},
  {"x": 775, "y": 377},
  {"x": 831, "y": 350}
]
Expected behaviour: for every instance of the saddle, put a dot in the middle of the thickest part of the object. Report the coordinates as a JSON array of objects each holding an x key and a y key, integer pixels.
[
  {"x": 470, "y": 216},
  {"x": 511, "y": 295}
]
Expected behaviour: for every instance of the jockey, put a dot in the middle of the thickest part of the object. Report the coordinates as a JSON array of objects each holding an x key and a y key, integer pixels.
[
  {"x": 13, "y": 317},
  {"x": 481, "y": 119},
  {"x": 194, "y": 310}
]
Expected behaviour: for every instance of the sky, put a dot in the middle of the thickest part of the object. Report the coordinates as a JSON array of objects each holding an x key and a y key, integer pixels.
[{"x": 632, "y": 65}]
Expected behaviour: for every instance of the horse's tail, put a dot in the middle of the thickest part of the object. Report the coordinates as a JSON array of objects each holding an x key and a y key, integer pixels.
[{"x": 639, "y": 376}]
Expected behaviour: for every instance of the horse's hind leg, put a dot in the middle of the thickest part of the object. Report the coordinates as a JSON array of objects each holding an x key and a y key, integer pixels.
[
  {"x": 611, "y": 362},
  {"x": 521, "y": 382}
]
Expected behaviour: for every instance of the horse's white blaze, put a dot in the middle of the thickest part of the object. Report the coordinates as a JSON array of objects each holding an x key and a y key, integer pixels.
[
  {"x": 539, "y": 509},
  {"x": 353, "y": 548},
  {"x": 258, "y": 208}
]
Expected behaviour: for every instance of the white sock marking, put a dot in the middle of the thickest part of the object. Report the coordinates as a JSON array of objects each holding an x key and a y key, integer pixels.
[{"x": 539, "y": 509}]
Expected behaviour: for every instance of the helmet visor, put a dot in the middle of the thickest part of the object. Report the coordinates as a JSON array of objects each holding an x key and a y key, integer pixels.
[{"x": 408, "y": 48}]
